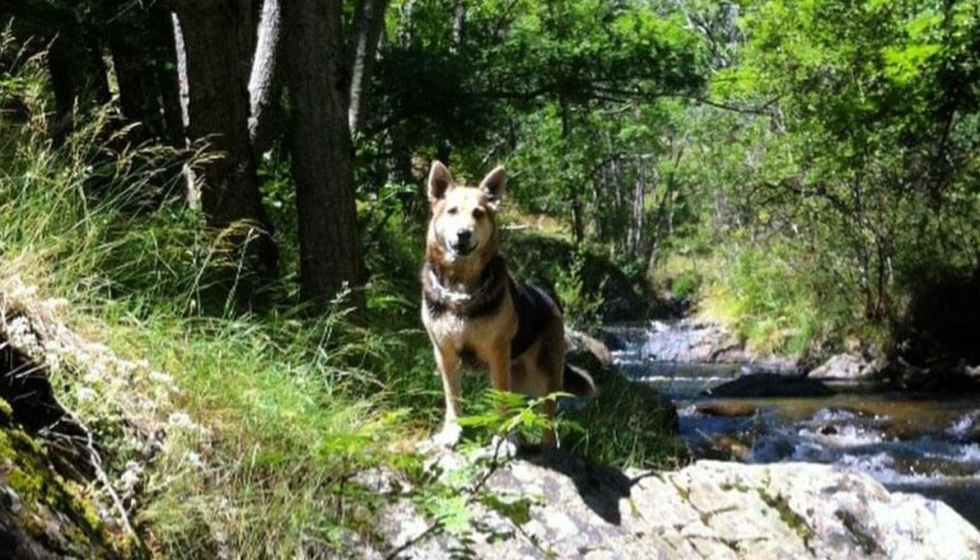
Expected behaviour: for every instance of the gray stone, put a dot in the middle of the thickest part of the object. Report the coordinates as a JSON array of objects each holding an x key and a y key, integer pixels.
[
  {"x": 693, "y": 341},
  {"x": 846, "y": 366},
  {"x": 769, "y": 385},
  {"x": 706, "y": 510}
]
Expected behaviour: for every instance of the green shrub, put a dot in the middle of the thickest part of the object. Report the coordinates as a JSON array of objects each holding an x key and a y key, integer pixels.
[{"x": 779, "y": 300}]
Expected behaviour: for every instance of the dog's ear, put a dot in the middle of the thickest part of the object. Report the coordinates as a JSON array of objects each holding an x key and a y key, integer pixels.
[
  {"x": 440, "y": 181},
  {"x": 493, "y": 186}
]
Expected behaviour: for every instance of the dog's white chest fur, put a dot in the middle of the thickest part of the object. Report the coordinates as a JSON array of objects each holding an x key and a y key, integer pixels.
[{"x": 448, "y": 327}]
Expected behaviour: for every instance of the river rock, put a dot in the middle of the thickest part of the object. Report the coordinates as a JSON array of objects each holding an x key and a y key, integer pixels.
[
  {"x": 690, "y": 341},
  {"x": 846, "y": 367},
  {"x": 768, "y": 385},
  {"x": 559, "y": 506},
  {"x": 588, "y": 353},
  {"x": 696, "y": 341}
]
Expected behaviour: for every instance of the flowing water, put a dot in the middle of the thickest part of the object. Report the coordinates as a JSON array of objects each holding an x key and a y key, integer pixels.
[{"x": 925, "y": 444}]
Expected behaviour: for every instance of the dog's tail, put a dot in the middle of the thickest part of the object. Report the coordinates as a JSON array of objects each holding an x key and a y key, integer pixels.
[{"x": 578, "y": 381}]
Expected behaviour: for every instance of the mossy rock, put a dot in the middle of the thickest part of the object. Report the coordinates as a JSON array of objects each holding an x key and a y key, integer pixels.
[{"x": 43, "y": 515}]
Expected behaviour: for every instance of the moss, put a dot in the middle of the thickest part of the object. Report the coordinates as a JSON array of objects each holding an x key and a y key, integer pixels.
[
  {"x": 740, "y": 487},
  {"x": 792, "y": 519},
  {"x": 48, "y": 500},
  {"x": 6, "y": 413},
  {"x": 19, "y": 454},
  {"x": 861, "y": 536}
]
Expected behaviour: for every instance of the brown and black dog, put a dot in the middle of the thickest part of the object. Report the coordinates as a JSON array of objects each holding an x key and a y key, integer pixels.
[{"x": 477, "y": 315}]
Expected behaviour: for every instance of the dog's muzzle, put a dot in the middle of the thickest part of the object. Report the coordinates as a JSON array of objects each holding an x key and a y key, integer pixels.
[{"x": 463, "y": 244}]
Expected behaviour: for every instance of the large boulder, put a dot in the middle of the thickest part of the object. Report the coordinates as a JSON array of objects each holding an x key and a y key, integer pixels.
[
  {"x": 769, "y": 385},
  {"x": 846, "y": 367},
  {"x": 44, "y": 515},
  {"x": 588, "y": 353},
  {"x": 696, "y": 341},
  {"x": 559, "y": 506},
  {"x": 65, "y": 490}
]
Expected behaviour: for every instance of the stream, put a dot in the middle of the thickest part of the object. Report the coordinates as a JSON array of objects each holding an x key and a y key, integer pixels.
[{"x": 921, "y": 443}]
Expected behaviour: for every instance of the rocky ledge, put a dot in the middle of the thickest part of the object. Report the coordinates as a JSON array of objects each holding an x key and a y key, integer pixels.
[{"x": 559, "y": 506}]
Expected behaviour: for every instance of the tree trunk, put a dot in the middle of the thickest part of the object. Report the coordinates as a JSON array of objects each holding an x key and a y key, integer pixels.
[
  {"x": 78, "y": 74},
  {"x": 136, "y": 95},
  {"x": 161, "y": 28},
  {"x": 218, "y": 110},
  {"x": 263, "y": 84},
  {"x": 97, "y": 73},
  {"x": 64, "y": 87},
  {"x": 575, "y": 199},
  {"x": 184, "y": 88},
  {"x": 368, "y": 23},
  {"x": 322, "y": 153}
]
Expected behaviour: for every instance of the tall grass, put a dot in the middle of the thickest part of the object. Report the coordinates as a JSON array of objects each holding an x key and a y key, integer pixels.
[{"x": 285, "y": 410}]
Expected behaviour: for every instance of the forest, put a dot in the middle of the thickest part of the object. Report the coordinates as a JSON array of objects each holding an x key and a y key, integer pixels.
[{"x": 233, "y": 191}]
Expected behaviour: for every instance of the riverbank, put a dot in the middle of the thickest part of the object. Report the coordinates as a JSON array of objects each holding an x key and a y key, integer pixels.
[{"x": 657, "y": 350}]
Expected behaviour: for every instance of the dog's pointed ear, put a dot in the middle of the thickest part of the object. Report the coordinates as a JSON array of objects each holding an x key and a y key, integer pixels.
[
  {"x": 440, "y": 181},
  {"x": 493, "y": 186}
]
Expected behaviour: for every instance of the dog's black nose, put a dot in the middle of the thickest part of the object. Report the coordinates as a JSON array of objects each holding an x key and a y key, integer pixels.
[{"x": 464, "y": 235}]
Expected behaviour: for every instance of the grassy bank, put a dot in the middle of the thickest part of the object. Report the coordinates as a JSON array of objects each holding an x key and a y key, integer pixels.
[{"x": 278, "y": 401}]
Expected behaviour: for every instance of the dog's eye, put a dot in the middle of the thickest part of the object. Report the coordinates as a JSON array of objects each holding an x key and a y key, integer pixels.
[
  {"x": 453, "y": 210},
  {"x": 478, "y": 213}
]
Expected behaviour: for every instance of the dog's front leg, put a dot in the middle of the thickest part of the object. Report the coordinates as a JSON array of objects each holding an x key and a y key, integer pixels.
[
  {"x": 502, "y": 380},
  {"x": 452, "y": 388},
  {"x": 499, "y": 362}
]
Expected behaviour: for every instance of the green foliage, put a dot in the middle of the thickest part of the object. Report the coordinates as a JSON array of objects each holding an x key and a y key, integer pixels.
[
  {"x": 687, "y": 285},
  {"x": 504, "y": 415},
  {"x": 776, "y": 303},
  {"x": 851, "y": 172},
  {"x": 580, "y": 305},
  {"x": 580, "y": 277}
]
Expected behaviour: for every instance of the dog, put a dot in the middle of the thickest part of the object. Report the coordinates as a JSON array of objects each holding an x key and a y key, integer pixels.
[{"x": 477, "y": 315}]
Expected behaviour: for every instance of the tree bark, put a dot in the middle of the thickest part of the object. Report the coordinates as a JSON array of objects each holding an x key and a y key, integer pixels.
[
  {"x": 78, "y": 74},
  {"x": 218, "y": 108},
  {"x": 264, "y": 82},
  {"x": 368, "y": 23},
  {"x": 322, "y": 153},
  {"x": 63, "y": 85}
]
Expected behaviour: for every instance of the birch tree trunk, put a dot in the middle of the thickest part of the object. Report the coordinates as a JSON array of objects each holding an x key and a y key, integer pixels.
[
  {"x": 218, "y": 108},
  {"x": 368, "y": 23},
  {"x": 264, "y": 82}
]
